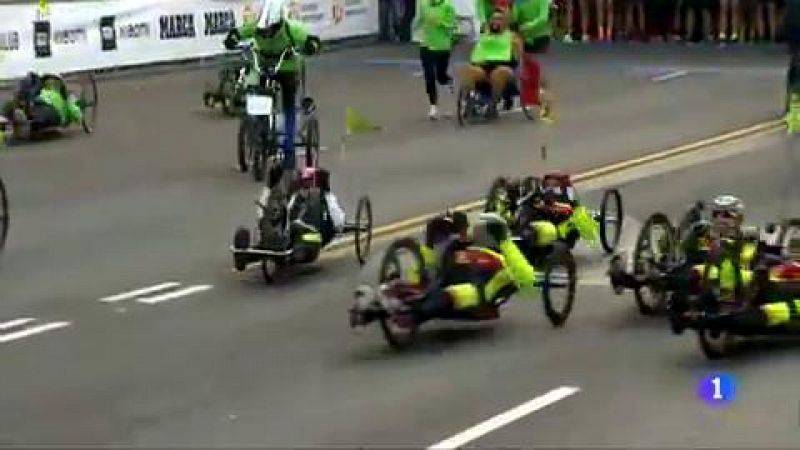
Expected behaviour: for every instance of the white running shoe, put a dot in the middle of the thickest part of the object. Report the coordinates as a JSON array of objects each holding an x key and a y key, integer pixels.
[{"x": 433, "y": 113}]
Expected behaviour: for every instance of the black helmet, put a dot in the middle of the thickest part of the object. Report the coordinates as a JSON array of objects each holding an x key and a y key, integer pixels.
[{"x": 445, "y": 227}]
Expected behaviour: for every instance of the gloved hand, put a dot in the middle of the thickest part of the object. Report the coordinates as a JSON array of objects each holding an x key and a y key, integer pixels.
[
  {"x": 496, "y": 227},
  {"x": 232, "y": 39}
]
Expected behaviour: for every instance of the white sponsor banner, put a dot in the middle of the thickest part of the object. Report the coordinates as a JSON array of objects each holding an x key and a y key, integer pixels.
[{"x": 103, "y": 34}]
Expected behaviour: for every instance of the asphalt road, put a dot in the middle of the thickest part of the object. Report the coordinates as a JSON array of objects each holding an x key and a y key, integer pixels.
[{"x": 152, "y": 198}]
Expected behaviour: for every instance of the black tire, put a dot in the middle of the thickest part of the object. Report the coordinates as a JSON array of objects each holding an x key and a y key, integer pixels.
[
  {"x": 500, "y": 184},
  {"x": 643, "y": 260},
  {"x": 208, "y": 100},
  {"x": 611, "y": 199},
  {"x": 464, "y": 106},
  {"x": 242, "y": 145},
  {"x": 4, "y": 215},
  {"x": 388, "y": 272},
  {"x": 89, "y": 101},
  {"x": 562, "y": 259},
  {"x": 241, "y": 241},
  {"x": 312, "y": 142},
  {"x": 268, "y": 269},
  {"x": 258, "y": 152},
  {"x": 363, "y": 229},
  {"x": 715, "y": 345}
]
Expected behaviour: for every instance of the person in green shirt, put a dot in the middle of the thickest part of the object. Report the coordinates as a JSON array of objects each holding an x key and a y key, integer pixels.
[
  {"x": 493, "y": 59},
  {"x": 273, "y": 34},
  {"x": 434, "y": 27},
  {"x": 41, "y": 102},
  {"x": 531, "y": 20}
]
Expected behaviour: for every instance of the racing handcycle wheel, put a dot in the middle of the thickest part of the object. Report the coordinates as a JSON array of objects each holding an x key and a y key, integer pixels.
[
  {"x": 402, "y": 260},
  {"x": 715, "y": 344},
  {"x": 653, "y": 254},
  {"x": 4, "y": 217},
  {"x": 363, "y": 229},
  {"x": 558, "y": 285},
  {"x": 312, "y": 142},
  {"x": 611, "y": 215},
  {"x": 227, "y": 90},
  {"x": 244, "y": 149},
  {"x": 88, "y": 101},
  {"x": 465, "y": 106}
]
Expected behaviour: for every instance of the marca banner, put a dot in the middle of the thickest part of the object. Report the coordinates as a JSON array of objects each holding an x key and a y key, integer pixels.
[{"x": 75, "y": 36}]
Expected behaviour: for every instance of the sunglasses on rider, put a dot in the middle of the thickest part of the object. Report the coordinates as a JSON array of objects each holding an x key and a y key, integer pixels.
[{"x": 724, "y": 215}]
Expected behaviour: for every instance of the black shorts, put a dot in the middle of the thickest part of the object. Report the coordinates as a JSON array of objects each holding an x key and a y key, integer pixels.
[{"x": 539, "y": 45}]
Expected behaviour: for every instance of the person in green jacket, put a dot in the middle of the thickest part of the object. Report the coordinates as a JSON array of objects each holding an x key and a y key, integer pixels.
[
  {"x": 434, "y": 27},
  {"x": 531, "y": 20},
  {"x": 493, "y": 59},
  {"x": 41, "y": 102},
  {"x": 274, "y": 34},
  {"x": 466, "y": 271}
]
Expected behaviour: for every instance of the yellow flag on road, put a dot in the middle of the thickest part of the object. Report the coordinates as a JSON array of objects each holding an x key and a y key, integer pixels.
[{"x": 356, "y": 123}]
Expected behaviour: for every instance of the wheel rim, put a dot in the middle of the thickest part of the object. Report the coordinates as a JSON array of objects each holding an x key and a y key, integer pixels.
[
  {"x": 715, "y": 346},
  {"x": 363, "y": 232},
  {"x": 611, "y": 218},
  {"x": 88, "y": 99},
  {"x": 558, "y": 283},
  {"x": 654, "y": 248}
]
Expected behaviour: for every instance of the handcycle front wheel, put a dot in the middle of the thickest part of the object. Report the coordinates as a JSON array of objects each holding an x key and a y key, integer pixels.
[
  {"x": 611, "y": 216},
  {"x": 558, "y": 286},
  {"x": 650, "y": 253},
  {"x": 88, "y": 101},
  {"x": 243, "y": 145},
  {"x": 4, "y": 217},
  {"x": 401, "y": 262},
  {"x": 465, "y": 106},
  {"x": 715, "y": 344},
  {"x": 312, "y": 142},
  {"x": 363, "y": 229}
]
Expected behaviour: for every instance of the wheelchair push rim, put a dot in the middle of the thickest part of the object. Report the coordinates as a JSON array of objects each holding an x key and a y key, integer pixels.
[
  {"x": 611, "y": 220},
  {"x": 651, "y": 254},
  {"x": 363, "y": 229}
]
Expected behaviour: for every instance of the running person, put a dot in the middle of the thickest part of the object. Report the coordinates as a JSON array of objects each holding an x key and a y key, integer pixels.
[
  {"x": 531, "y": 20},
  {"x": 434, "y": 27}
]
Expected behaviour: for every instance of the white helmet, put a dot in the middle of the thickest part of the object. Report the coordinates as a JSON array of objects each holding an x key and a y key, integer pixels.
[
  {"x": 272, "y": 12},
  {"x": 727, "y": 214}
]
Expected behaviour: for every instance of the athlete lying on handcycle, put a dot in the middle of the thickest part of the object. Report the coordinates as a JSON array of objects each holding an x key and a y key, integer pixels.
[
  {"x": 41, "y": 103},
  {"x": 466, "y": 274},
  {"x": 492, "y": 62}
]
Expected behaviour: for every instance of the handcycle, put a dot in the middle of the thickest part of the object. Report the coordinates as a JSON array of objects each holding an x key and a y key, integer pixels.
[
  {"x": 260, "y": 129},
  {"x": 229, "y": 90},
  {"x": 308, "y": 204},
  {"x": 4, "y": 216},
  {"x": 403, "y": 278},
  {"x": 779, "y": 280},
  {"x": 474, "y": 105},
  {"x": 520, "y": 198},
  {"x": 86, "y": 85}
]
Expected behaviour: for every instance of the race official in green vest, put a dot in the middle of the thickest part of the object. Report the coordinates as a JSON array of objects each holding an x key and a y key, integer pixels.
[
  {"x": 493, "y": 58},
  {"x": 434, "y": 28}
]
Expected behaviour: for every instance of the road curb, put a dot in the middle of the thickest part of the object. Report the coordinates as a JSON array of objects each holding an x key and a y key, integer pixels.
[{"x": 673, "y": 152}]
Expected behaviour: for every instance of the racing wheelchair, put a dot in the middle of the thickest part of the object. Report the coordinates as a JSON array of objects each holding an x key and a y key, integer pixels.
[
  {"x": 4, "y": 217},
  {"x": 403, "y": 278},
  {"x": 520, "y": 202},
  {"x": 305, "y": 214},
  {"x": 260, "y": 129},
  {"x": 229, "y": 90},
  {"x": 13, "y": 124}
]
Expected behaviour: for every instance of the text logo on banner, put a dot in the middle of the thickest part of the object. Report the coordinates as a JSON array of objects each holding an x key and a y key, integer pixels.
[
  {"x": 310, "y": 12},
  {"x": 41, "y": 39},
  {"x": 134, "y": 30},
  {"x": 9, "y": 41},
  {"x": 219, "y": 22},
  {"x": 176, "y": 26},
  {"x": 108, "y": 33},
  {"x": 69, "y": 36}
]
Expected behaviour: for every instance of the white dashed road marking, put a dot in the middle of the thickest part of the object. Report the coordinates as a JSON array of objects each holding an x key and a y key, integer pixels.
[{"x": 26, "y": 332}]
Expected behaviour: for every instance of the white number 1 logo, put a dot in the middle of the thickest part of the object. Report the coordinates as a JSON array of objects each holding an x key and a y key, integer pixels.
[{"x": 717, "y": 388}]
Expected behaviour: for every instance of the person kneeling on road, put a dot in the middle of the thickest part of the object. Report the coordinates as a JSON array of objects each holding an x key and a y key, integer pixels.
[
  {"x": 470, "y": 273},
  {"x": 41, "y": 103},
  {"x": 493, "y": 60},
  {"x": 273, "y": 35}
]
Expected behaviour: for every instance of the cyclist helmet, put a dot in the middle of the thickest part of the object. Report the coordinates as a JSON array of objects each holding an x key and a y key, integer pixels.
[
  {"x": 727, "y": 215},
  {"x": 445, "y": 228},
  {"x": 271, "y": 17}
]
